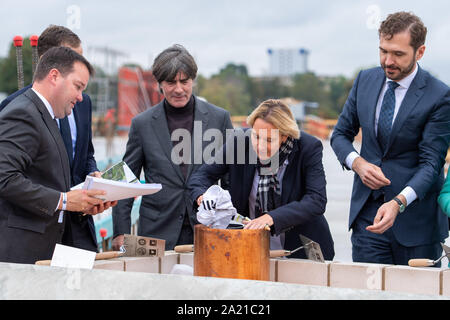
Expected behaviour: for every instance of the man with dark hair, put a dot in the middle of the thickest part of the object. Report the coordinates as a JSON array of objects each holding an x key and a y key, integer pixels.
[
  {"x": 404, "y": 115},
  {"x": 52, "y": 36},
  {"x": 76, "y": 130},
  {"x": 59, "y": 58},
  {"x": 169, "y": 213},
  {"x": 57, "y": 36},
  {"x": 34, "y": 167}
]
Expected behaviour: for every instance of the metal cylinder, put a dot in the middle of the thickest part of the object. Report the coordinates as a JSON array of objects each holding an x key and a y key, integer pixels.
[
  {"x": 34, "y": 52},
  {"x": 18, "y": 40}
]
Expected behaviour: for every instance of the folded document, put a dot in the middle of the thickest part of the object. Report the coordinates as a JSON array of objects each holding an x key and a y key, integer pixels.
[{"x": 118, "y": 190}]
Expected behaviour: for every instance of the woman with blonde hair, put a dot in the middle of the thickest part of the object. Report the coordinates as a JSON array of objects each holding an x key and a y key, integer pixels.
[{"x": 276, "y": 179}]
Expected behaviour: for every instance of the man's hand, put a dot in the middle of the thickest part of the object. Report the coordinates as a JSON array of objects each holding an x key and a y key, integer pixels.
[
  {"x": 117, "y": 242},
  {"x": 96, "y": 174},
  {"x": 370, "y": 174},
  {"x": 83, "y": 200},
  {"x": 386, "y": 216},
  {"x": 101, "y": 207},
  {"x": 259, "y": 223}
]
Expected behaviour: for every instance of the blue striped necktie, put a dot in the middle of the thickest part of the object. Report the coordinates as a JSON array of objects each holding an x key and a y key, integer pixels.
[{"x": 386, "y": 115}]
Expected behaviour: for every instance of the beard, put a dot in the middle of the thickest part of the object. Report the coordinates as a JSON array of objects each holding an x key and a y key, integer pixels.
[{"x": 402, "y": 72}]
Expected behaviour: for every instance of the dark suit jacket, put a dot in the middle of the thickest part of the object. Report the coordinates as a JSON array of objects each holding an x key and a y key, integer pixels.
[
  {"x": 34, "y": 170},
  {"x": 80, "y": 231},
  {"x": 415, "y": 154},
  {"x": 11, "y": 97},
  {"x": 149, "y": 147},
  {"x": 303, "y": 192}
]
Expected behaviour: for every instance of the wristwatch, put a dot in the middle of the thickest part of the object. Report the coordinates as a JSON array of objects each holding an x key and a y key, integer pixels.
[{"x": 400, "y": 203}]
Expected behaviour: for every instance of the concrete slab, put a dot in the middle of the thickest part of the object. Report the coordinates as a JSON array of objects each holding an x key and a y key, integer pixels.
[{"x": 38, "y": 282}]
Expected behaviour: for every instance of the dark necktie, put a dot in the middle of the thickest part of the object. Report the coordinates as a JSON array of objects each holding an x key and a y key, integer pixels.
[
  {"x": 386, "y": 115},
  {"x": 64, "y": 128}
]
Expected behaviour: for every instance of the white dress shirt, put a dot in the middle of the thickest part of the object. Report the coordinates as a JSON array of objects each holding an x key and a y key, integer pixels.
[
  {"x": 46, "y": 103},
  {"x": 400, "y": 93}
]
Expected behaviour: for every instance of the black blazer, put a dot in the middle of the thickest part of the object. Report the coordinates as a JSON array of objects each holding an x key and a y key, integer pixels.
[
  {"x": 80, "y": 230},
  {"x": 149, "y": 147},
  {"x": 303, "y": 194},
  {"x": 34, "y": 170}
]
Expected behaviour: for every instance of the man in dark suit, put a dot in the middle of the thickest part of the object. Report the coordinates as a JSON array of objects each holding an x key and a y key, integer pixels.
[
  {"x": 77, "y": 137},
  {"x": 404, "y": 115},
  {"x": 34, "y": 167},
  {"x": 152, "y": 145}
]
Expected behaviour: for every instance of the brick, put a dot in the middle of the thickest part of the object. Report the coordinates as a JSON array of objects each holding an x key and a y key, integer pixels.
[
  {"x": 187, "y": 258},
  {"x": 445, "y": 282},
  {"x": 413, "y": 280},
  {"x": 170, "y": 259},
  {"x": 303, "y": 271},
  {"x": 110, "y": 264},
  {"x": 141, "y": 264},
  {"x": 273, "y": 270},
  {"x": 369, "y": 276}
]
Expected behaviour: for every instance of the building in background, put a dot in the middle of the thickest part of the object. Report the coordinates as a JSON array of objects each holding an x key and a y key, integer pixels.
[{"x": 287, "y": 62}]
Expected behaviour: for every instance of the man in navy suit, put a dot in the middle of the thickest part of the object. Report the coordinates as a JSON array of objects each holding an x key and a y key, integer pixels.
[
  {"x": 404, "y": 115},
  {"x": 79, "y": 229}
]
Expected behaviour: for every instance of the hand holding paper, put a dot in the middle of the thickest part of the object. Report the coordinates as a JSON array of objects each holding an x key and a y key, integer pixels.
[
  {"x": 119, "y": 183},
  {"x": 82, "y": 200},
  {"x": 118, "y": 190}
]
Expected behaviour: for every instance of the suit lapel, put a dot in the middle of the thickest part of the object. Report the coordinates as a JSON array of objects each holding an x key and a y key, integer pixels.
[
  {"x": 161, "y": 129},
  {"x": 197, "y": 143},
  {"x": 76, "y": 116},
  {"x": 413, "y": 95},
  {"x": 372, "y": 101},
  {"x": 54, "y": 130},
  {"x": 289, "y": 174}
]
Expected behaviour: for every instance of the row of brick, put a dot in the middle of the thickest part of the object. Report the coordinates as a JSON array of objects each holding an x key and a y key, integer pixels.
[{"x": 430, "y": 281}]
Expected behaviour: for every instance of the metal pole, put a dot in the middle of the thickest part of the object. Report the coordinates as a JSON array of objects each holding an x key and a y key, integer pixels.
[
  {"x": 18, "y": 41},
  {"x": 34, "y": 52}
]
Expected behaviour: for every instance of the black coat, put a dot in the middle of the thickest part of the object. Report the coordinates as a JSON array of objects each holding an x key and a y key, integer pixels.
[
  {"x": 303, "y": 195},
  {"x": 34, "y": 170},
  {"x": 79, "y": 230}
]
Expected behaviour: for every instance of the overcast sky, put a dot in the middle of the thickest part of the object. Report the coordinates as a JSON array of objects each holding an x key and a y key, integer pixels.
[{"x": 340, "y": 35}]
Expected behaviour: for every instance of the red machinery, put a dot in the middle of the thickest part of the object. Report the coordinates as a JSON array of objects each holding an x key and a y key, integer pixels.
[{"x": 137, "y": 91}]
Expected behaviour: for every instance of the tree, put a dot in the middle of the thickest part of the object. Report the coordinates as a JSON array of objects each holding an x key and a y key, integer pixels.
[
  {"x": 229, "y": 89},
  {"x": 8, "y": 68}
]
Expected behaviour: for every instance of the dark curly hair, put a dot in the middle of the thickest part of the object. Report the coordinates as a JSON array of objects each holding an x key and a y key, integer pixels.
[{"x": 404, "y": 21}]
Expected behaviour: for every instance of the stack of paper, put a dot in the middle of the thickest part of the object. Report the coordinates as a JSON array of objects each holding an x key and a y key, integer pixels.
[
  {"x": 119, "y": 182},
  {"x": 118, "y": 190}
]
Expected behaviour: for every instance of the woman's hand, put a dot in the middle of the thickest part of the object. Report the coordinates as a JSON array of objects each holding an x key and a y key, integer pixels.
[
  {"x": 199, "y": 200},
  {"x": 259, "y": 223}
]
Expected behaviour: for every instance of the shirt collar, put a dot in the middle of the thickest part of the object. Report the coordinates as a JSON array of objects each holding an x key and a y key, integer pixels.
[
  {"x": 46, "y": 103},
  {"x": 406, "y": 82}
]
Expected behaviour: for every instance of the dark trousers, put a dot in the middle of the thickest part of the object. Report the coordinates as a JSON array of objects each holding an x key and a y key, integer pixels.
[
  {"x": 384, "y": 248},
  {"x": 77, "y": 232}
]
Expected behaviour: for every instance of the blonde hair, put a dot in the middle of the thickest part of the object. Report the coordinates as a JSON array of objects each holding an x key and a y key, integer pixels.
[{"x": 277, "y": 113}]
